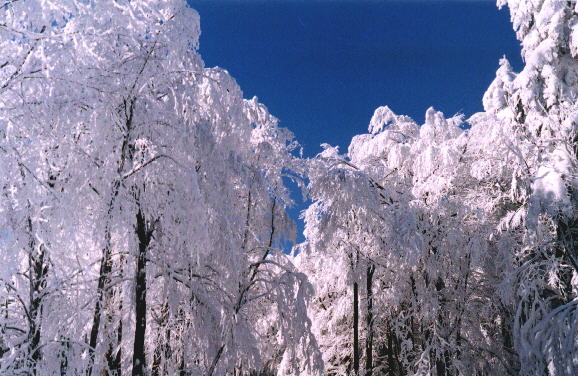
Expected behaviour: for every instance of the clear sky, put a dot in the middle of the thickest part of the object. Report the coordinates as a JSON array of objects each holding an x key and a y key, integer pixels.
[{"x": 323, "y": 67}]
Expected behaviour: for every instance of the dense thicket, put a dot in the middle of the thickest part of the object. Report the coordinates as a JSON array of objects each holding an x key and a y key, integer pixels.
[{"x": 143, "y": 201}]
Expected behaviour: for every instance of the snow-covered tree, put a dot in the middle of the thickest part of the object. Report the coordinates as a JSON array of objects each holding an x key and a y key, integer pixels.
[
  {"x": 536, "y": 108},
  {"x": 484, "y": 282},
  {"x": 142, "y": 198},
  {"x": 426, "y": 242},
  {"x": 143, "y": 202}
]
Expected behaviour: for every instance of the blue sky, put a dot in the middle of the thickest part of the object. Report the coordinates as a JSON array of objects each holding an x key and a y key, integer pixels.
[{"x": 322, "y": 67}]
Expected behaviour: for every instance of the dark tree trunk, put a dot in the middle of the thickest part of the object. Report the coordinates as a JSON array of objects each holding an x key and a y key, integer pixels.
[
  {"x": 144, "y": 234},
  {"x": 567, "y": 238},
  {"x": 38, "y": 269},
  {"x": 3, "y": 347},
  {"x": 443, "y": 361},
  {"x": 355, "y": 329},
  {"x": 118, "y": 357},
  {"x": 369, "y": 321},
  {"x": 103, "y": 279},
  {"x": 507, "y": 332},
  {"x": 394, "y": 367},
  {"x": 64, "y": 350},
  {"x": 461, "y": 309},
  {"x": 390, "y": 354},
  {"x": 182, "y": 368},
  {"x": 113, "y": 354},
  {"x": 440, "y": 367},
  {"x": 103, "y": 293},
  {"x": 156, "y": 368}
]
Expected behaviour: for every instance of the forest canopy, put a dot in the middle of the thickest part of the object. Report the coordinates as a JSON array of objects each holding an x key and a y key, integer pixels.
[{"x": 144, "y": 210}]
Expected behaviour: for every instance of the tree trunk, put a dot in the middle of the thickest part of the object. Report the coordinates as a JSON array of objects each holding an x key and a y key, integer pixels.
[
  {"x": 144, "y": 233},
  {"x": 390, "y": 361},
  {"x": 63, "y": 356},
  {"x": 156, "y": 368},
  {"x": 38, "y": 269},
  {"x": 355, "y": 329},
  {"x": 394, "y": 367},
  {"x": 103, "y": 293},
  {"x": 443, "y": 361},
  {"x": 118, "y": 357},
  {"x": 3, "y": 347},
  {"x": 390, "y": 353},
  {"x": 369, "y": 321},
  {"x": 114, "y": 352},
  {"x": 103, "y": 279},
  {"x": 182, "y": 368}
]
